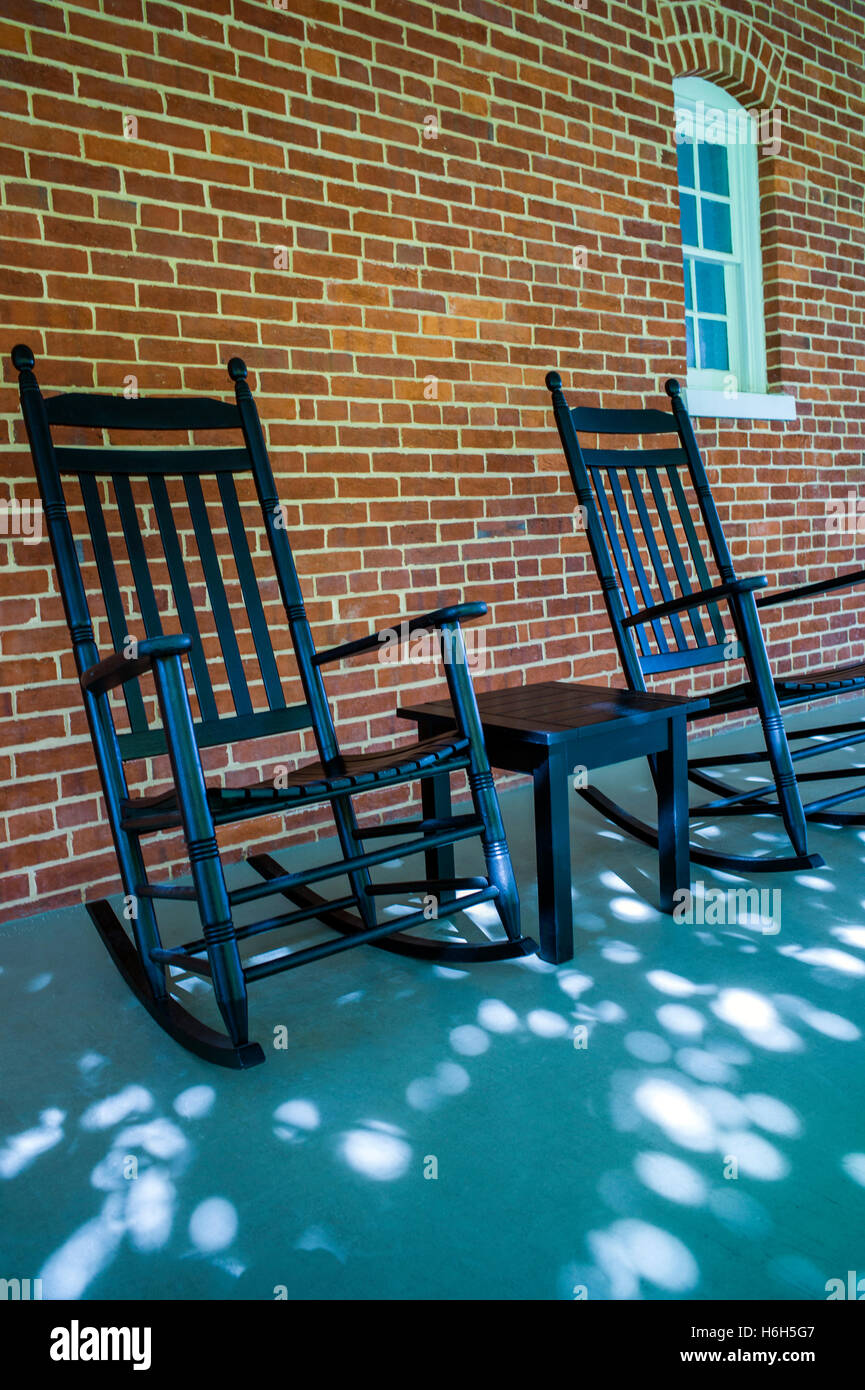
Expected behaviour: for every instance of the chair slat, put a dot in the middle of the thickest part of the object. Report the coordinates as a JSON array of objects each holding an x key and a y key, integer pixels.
[
  {"x": 655, "y": 555},
  {"x": 144, "y": 462},
  {"x": 218, "y": 597},
  {"x": 594, "y": 420},
  {"x": 679, "y": 565},
  {"x": 705, "y": 581},
  {"x": 182, "y": 596},
  {"x": 129, "y": 520},
  {"x": 251, "y": 595},
  {"x": 145, "y": 413},
  {"x": 111, "y": 594},
  {"x": 649, "y": 599},
  {"x": 618, "y": 557}
]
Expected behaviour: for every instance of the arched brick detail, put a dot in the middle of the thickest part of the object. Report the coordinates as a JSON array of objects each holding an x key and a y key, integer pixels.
[{"x": 703, "y": 40}]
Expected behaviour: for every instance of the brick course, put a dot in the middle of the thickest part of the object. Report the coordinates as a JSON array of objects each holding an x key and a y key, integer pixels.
[{"x": 154, "y": 156}]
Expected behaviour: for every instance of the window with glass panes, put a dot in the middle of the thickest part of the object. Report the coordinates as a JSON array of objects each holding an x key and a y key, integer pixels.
[{"x": 719, "y": 216}]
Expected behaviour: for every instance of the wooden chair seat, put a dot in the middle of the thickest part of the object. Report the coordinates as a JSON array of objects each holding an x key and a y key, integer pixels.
[{"x": 306, "y": 784}]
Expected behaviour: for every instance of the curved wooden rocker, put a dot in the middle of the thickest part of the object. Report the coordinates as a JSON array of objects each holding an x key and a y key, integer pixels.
[
  {"x": 147, "y": 511},
  {"x": 666, "y": 573}
]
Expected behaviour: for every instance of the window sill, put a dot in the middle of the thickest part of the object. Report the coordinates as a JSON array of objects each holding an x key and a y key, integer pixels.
[{"x": 744, "y": 405}]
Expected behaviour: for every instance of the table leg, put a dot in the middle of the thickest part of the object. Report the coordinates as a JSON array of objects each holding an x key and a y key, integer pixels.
[
  {"x": 673, "y": 823},
  {"x": 553, "y": 851}
]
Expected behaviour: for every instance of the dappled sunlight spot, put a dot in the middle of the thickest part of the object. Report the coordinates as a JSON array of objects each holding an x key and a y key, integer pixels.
[
  {"x": 451, "y": 1078},
  {"x": 704, "y": 1066},
  {"x": 469, "y": 1040},
  {"x": 375, "y": 1154},
  {"x": 573, "y": 983},
  {"x": 814, "y": 882},
  {"x": 829, "y": 1024},
  {"x": 671, "y": 1178},
  {"x": 632, "y": 1250},
  {"x": 679, "y": 1114},
  {"x": 648, "y": 1047},
  {"x": 754, "y": 1155},
  {"x": 300, "y": 1114},
  {"x": 319, "y": 1238},
  {"x": 354, "y": 996},
  {"x": 668, "y": 983},
  {"x": 89, "y": 1062},
  {"x": 854, "y": 1167},
  {"x": 827, "y": 957},
  {"x": 608, "y": 1011},
  {"x": 772, "y": 1114},
  {"x": 851, "y": 936},
  {"x": 113, "y": 1109},
  {"x": 39, "y": 982},
  {"x": 497, "y": 1017},
  {"x": 620, "y": 952},
  {"x": 533, "y": 965},
  {"x": 213, "y": 1224},
  {"x": 160, "y": 1138},
  {"x": 613, "y": 882},
  {"x": 590, "y": 923},
  {"x": 739, "y": 1211},
  {"x": 150, "y": 1210},
  {"x": 631, "y": 910},
  {"x": 448, "y": 972},
  {"x": 423, "y": 1094},
  {"x": 682, "y": 1019},
  {"x": 67, "y": 1273},
  {"x": 546, "y": 1024},
  {"x": 609, "y": 835},
  {"x": 428, "y": 1092},
  {"x": 725, "y": 1108},
  {"x": 195, "y": 1102},
  {"x": 485, "y": 916},
  {"x": 20, "y": 1150},
  {"x": 708, "y": 832},
  {"x": 756, "y": 1019}
]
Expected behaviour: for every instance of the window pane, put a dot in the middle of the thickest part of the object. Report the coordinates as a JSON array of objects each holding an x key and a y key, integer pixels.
[
  {"x": 714, "y": 175},
  {"x": 713, "y": 344},
  {"x": 685, "y": 154},
  {"x": 688, "y": 219},
  {"x": 689, "y": 329},
  {"x": 711, "y": 297},
  {"x": 688, "y": 304},
  {"x": 717, "y": 235}
]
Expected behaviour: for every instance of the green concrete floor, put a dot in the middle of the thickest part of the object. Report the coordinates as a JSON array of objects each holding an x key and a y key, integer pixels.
[{"x": 605, "y": 1167}]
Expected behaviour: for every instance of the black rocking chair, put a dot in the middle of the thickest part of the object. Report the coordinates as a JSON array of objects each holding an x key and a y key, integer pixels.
[
  {"x": 195, "y": 499},
  {"x": 661, "y": 557}
]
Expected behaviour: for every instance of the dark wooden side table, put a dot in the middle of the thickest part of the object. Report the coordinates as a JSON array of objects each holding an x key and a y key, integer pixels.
[{"x": 549, "y": 730}]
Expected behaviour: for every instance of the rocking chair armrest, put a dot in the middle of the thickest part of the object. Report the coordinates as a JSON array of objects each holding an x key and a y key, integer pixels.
[
  {"x": 695, "y": 600},
  {"x": 117, "y": 669},
  {"x": 440, "y": 617},
  {"x": 822, "y": 586}
]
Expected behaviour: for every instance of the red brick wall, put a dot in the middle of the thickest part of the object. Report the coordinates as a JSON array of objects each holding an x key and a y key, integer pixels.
[{"x": 408, "y": 257}]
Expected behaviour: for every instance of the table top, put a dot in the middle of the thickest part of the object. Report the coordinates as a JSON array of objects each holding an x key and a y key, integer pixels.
[{"x": 553, "y": 711}]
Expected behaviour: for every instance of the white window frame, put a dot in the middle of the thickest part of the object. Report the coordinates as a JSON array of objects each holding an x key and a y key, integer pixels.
[{"x": 703, "y": 112}]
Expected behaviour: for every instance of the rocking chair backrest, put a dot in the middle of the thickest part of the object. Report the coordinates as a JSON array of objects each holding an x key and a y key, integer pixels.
[
  {"x": 170, "y": 531},
  {"x": 653, "y": 531}
]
